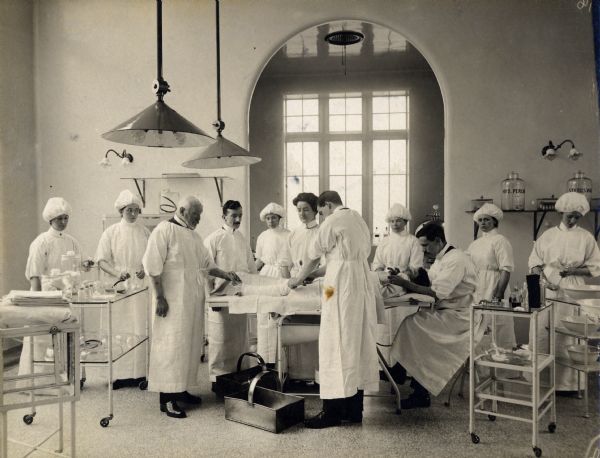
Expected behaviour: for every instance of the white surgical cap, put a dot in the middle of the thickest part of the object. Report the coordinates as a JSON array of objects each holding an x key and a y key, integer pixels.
[
  {"x": 572, "y": 202},
  {"x": 56, "y": 206},
  {"x": 127, "y": 198},
  {"x": 271, "y": 208},
  {"x": 398, "y": 211},
  {"x": 489, "y": 210}
]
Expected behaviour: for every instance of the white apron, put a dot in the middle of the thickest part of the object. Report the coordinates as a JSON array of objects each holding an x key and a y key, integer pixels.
[
  {"x": 492, "y": 253},
  {"x": 556, "y": 249},
  {"x": 122, "y": 245},
  {"x": 178, "y": 255},
  {"x": 433, "y": 344},
  {"x": 347, "y": 346},
  {"x": 227, "y": 333},
  {"x": 44, "y": 255}
]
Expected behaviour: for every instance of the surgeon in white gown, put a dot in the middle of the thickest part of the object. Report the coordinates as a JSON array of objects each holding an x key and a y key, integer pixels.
[
  {"x": 492, "y": 255},
  {"x": 566, "y": 254},
  {"x": 177, "y": 263},
  {"x": 402, "y": 253},
  {"x": 228, "y": 333},
  {"x": 433, "y": 343},
  {"x": 272, "y": 260},
  {"x": 347, "y": 347},
  {"x": 119, "y": 255},
  {"x": 45, "y": 256}
]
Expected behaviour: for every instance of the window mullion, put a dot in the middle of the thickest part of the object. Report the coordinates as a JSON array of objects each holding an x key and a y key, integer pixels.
[{"x": 323, "y": 142}]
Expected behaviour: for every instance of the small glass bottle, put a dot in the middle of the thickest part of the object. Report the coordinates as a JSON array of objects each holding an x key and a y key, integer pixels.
[
  {"x": 581, "y": 184},
  {"x": 376, "y": 236}
]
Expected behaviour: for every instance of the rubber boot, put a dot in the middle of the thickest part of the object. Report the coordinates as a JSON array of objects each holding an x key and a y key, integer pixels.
[{"x": 331, "y": 415}]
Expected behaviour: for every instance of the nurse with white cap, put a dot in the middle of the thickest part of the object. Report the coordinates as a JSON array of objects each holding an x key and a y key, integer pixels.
[
  {"x": 119, "y": 255},
  {"x": 273, "y": 259},
  {"x": 400, "y": 251},
  {"x": 45, "y": 256},
  {"x": 492, "y": 255},
  {"x": 566, "y": 254}
]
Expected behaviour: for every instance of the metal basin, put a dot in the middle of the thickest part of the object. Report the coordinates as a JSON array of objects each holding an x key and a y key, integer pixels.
[{"x": 583, "y": 291}]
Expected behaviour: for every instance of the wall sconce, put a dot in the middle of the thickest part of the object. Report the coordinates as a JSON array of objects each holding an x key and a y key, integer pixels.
[
  {"x": 549, "y": 151},
  {"x": 126, "y": 158}
]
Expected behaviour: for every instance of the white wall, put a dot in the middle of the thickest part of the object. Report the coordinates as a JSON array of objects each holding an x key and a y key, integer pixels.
[{"x": 514, "y": 73}]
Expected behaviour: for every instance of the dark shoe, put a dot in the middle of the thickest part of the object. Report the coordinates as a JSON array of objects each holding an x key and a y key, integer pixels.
[
  {"x": 353, "y": 408},
  {"x": 172, "y": 409},
  {"x": 398, "y": 373},
  {"x": 415, "y": 402},
  {"x": 190, "y": 398},
  {"x": 568, "y": 394},
  {"x": 323, "y": 420},
  {"x": 123, "y": 383}
]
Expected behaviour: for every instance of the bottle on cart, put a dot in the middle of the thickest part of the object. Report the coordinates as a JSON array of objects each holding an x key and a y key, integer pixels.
[
  {"x": 524, "y": 297},
  {"x": 376, "y": 236},
  {"x": 515, "y": 298}
]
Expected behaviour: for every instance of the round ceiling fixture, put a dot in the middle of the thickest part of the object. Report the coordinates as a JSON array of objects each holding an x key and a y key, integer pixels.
[{"x": 344, "y": 37}]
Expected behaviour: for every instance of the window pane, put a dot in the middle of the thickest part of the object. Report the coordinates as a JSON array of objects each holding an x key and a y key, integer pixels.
[
  {"x": 294, "y": 158},
  {"x": 398, "y": 104},
  {"x": 337, "y": 123},
  {"x": 310, "y": 107},
  {"x": 353, "y": 123},
  {"x": 354, "y": 192},
  {"x": 354, "y": 158},
  {"x": 354, "y": 105},
  {"x": 311, "y": 184},
  {"x": 381, "y": 121},
  {"x": 310, "y": 160},
  {"x": 397, "y": 121},
  {"x": 294, "y": 187},
  {"x": 291, "y": 219},
  {"x": 381, "y": 105},
  {"x": 381, "y": 157},
  {"x": 398, "y": 189},
  {"x": 294, "y": 124},
  {"x": 337, "y": 106},
  {"x": 311, "y": 124},
  {"x": 397, "y": 156},
  {"x": 337, "y": 158},
  {"x": 293, "y": 107},
  {"x": 381, "y": 202},
  {"x": 338, "y": 183}
]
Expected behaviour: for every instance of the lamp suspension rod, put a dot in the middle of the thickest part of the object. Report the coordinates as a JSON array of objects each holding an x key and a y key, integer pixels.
[
  {"x": 219, "y": 121},
  {"x": 159, "y": 40},
  {"x": 565, "y": 141}
]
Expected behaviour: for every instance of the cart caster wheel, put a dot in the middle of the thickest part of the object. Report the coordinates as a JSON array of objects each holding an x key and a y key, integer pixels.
[
  {"x": 104, "y": 422},
  {"x": 28, "y": 419},
  {"x": 537, "y": 451},
  {"x": 474, "y": 438},
  {"x": 203, "y": 358},
  {"x": 551, "y": 427},
  {"x": 492, "y": 417},
  {"x": 81, "y": 383},
  {"x": 143, "y": 385}
]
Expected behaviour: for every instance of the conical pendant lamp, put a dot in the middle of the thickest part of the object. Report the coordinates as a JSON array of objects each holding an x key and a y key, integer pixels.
[
  {"x": 159, "y": 125},
  {"x": 223, "y": 153}
]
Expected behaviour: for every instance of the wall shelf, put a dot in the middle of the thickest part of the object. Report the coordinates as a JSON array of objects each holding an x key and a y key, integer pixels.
[
  {"x": 140, "y": 182},
  {"x": 538, "y": 219}
]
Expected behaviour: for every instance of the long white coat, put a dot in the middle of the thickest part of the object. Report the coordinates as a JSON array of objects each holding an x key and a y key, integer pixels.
[
  {"x": 178, "y": 255},
  {"x": 555, "y": 250},
  {"x": 492, "y": 253},
  {"x": 227, "y": 333},
  {"x": 44, "y": 255},
  {"x": 347, "y": 351},
  {"x": 433, "y": 344},
  {"x": 404, "y": 252},
  {"x": 122, "y": 245},
  {"x": 272, "y": 248}
]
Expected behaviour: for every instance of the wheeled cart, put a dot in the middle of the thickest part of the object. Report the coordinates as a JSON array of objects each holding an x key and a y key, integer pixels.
[
  {"x": 491, "y": 395},
  {"x": 101, "y": 348},
  {"x": 60, "y": 384}
]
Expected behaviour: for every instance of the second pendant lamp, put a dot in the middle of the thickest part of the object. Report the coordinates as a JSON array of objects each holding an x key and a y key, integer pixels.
[{"x": 222, "y": 153}]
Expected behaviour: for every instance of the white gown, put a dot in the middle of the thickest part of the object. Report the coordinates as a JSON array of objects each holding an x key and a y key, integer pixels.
[
  {"x": 227, "y": 333},
  {"x": 433, "y": 344},
  {"x": 347, "y": 346},
  {"x": 303, "y": 359},
  {"x": 492, "y": 253},
  {"x": 556, "y": 249},
  {"x": 44, "y": 255},
  {"x": 272, "y": 248},
  {"x": 122, "y": 245},
  {"x": 401, "y": 251},
  {"x": 177, "y": 254}
]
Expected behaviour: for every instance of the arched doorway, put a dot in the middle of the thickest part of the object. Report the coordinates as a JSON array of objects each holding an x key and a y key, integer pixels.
[{"x": 366, "y": 120}]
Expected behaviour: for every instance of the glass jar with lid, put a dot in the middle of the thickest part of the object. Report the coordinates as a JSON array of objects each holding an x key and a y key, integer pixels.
[
  {"x": 581, "y": 184},
  {"x": 513, "y": 193}
]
